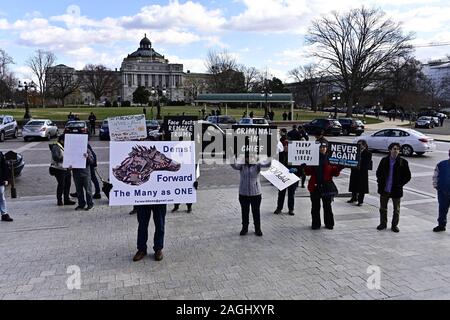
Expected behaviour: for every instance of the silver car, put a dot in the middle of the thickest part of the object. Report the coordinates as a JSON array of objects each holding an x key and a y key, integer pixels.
[{"x": 39, "y": 128}]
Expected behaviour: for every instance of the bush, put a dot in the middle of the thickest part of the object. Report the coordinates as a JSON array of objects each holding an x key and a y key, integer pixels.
[
  {"x": 108, "y": 104},
  {"x": 126, "y": 104},
  {"x": 115, "y": 104},
  {"x": 176, "y": 103}
]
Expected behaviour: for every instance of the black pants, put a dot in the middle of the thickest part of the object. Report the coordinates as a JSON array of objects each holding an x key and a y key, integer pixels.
[
  {"x": 315, "y": 210},
  {"x": 92, "y": 127},
  {"x": 291, "y": 194},
  {"x": 358, "y": 196},
  {"x": 64, "y": 179},
  {"x": 246, "y": 202},
  {"x": 159, "y": 218}
]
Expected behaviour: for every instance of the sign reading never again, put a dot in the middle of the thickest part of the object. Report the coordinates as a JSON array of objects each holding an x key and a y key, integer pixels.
[{"x": 344, "y": 154}]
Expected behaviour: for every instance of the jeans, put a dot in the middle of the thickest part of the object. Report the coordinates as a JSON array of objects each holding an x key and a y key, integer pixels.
[
  {"x": 315, "y": 210},
  {"x": 444, "y": 204},
  {"x": 95, "y": 180},
  {"x": 255, "y": 203},
  {"x": 82, "y": 179},
  {"x": 159, "y": 218},
  {"x": 64, "y": 179},
  {"x": 2, "y": 200},
  {"x": 384, "y": 199},
  {"x": 291, "y": 194}
]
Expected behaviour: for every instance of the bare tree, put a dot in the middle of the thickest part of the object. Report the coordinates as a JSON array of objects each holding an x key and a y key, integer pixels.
[
  {"x": 356, "y": 46},
  {"x": 224, "y": 70},
  {"x": 310, "y": 80},
  {"x": 62, "y": 82},
  {"x": 251, "y": 76},
  {"x": 5, "y": 61},
  {"x": 194, "y": 85},
  {"x": 39, "y": 65},
  {"x": 7, "y": 79},
  {"x": 99, "y": 80}
]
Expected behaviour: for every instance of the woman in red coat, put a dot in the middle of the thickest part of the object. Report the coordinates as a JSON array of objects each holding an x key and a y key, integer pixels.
[{"x": 321, "y": 186}]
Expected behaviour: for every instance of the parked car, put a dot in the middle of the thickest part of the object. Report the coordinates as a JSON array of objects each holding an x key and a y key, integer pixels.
[
  {"x": 104, "y": 130},
  {"x": 350, "y": 125},
  {"x": 425, "y": 122},
  {"x": 410, "y": 141},
  {"x": 254, "y": 121},
  {"x": 8, "y": 127},
  {"x": 224, "y": 122},
  {"x": 330, "y": 126},
  {"x": 39, "y": 128},
  {"x": 77, "y": 127},
  {"x": 153, "y": 130}
]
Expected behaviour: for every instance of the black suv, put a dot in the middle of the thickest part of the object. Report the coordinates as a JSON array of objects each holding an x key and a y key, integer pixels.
[
  {"x": 329, "y": 126},
  {"x": 350, "y": 125}
]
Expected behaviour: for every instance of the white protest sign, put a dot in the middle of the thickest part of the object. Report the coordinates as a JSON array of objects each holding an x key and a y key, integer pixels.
[
  {"x": 303, "y": 152},
  {"x": 279, "y": 175},
  {"x": 152, "y": 172},
  {"x": 127, "y": 128},
  {"x": 75, "y": 146}
]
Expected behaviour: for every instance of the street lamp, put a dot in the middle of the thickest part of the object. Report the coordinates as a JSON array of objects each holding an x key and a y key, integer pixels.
[
  {"x": 336, "y": 97},
  {"x": 158, "y": 93},
  {"x": 25, "y": 87},
  {"x": 265, "y": 93}
]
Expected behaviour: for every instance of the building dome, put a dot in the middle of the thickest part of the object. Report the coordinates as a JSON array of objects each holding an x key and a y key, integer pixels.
[{"x": 145, "y": 43}]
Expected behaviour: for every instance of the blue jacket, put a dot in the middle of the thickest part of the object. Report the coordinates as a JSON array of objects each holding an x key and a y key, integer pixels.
[{"x": 441, "y": 178}]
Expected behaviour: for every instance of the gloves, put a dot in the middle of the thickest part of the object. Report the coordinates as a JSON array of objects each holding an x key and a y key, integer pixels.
[
  {"x": 195, "y": 185},
  {"x": 293, "y": 170}
]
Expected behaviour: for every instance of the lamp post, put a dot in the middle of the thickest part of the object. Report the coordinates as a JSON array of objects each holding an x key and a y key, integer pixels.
[
  {"x": 158, "y": 93},
  {"x": 25, "y": 87},
  {"x": 336, "y": 97},
  {"x": 265, "y": 93},
  {"x": 378, "y": 109}
]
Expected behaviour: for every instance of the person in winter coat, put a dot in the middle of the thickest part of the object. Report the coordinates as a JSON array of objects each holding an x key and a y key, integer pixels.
[
  {"x": 321, "y": 187},
  {"x": 4, "y": 177},
  {"x": 441, "y": 182},
  {"x": 392, "y": 174},
  {"x": 63, "y": 175},
  {"x": 250, "y": 192},
  {"x": 359, "y": 177}
]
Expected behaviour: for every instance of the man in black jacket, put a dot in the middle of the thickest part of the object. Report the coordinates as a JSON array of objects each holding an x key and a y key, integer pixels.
[
  {"x": 392, "y": 174},
  {"x": 4, "y": 176}
]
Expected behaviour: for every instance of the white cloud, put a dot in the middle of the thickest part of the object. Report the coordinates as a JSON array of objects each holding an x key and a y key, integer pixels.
[{"x": 176, "y": 15}]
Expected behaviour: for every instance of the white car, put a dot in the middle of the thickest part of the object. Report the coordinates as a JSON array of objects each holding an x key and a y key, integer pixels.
[
  {"x": 254, "y": 121},
  {"x": 410, "y": 141},
  {"x": 39, "y": 128}
]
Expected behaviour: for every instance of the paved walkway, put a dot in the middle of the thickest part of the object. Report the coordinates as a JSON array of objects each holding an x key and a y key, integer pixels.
[{"x": 205, "y": 258}]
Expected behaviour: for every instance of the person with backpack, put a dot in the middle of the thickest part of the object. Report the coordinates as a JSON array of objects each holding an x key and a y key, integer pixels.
[{"x": 63, "y": 175}]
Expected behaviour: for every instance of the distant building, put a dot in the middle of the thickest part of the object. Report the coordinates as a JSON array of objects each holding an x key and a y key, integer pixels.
[{"x": 437, "y": 70}]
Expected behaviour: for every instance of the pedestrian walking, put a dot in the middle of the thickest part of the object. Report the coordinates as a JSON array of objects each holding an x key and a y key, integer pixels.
[
  {"x": 322, "y": 188},
  {"x": 4, "y": 177},
  {"x": 284, "y": 116},
  {"x": 92, "y": 118},
  {"x": 159, "y": 219},
  {"x": 250, "y": 191},
  {"x": 359, "y": 177},
  {"x": 441, "y": 182},
  {"x": 441, "y": 120},
  {"x": 63, "y": 175},
  {"x": 392, "y": 174},
  {"x": 251, "y": 114},
  {"x": 82, "y": 179}
]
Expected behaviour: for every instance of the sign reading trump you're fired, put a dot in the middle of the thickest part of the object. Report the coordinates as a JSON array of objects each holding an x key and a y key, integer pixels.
[
  {"x": 303, "y": 152},
  {"x": 152, "y": 172}
]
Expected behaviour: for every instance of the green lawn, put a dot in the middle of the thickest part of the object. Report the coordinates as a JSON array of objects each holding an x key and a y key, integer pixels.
[{"x": 60, "y": 114}]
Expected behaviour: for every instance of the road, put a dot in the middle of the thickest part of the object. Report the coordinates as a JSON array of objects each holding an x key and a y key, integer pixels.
[{"x": 35, "y": 180}]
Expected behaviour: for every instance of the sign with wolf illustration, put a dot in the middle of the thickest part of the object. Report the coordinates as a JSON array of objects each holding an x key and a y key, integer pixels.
[{"x": 152, "y": 172}]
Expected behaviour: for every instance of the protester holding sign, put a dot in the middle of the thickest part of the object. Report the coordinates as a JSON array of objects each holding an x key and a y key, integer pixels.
[
  {"x": 250, "y": 191},
  {"x": 359, "y": 177},
  {"x": 82, "y": 179},
  {"x": 322, "y": 187}
]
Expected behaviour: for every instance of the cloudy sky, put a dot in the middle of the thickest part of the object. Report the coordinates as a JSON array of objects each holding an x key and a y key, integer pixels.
[{"x": 266, "y": 34}]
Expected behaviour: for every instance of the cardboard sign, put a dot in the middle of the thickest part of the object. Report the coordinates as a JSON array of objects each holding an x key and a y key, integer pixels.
[
  {"x": 152, "y": 172},
  {"x": 75, "y": 146},
  {"x": 127, "y": 128},
  {"x": 279, "y": 175},
  {"x": 255, "y": 140},
  {"x": 179, "y": 128},
  {"x": 303, "y": 152},
  {"x": 344, "y": 154}
]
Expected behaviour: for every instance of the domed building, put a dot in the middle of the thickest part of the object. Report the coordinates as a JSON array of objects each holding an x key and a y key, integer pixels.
[{"x": 146, "y": 67}]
